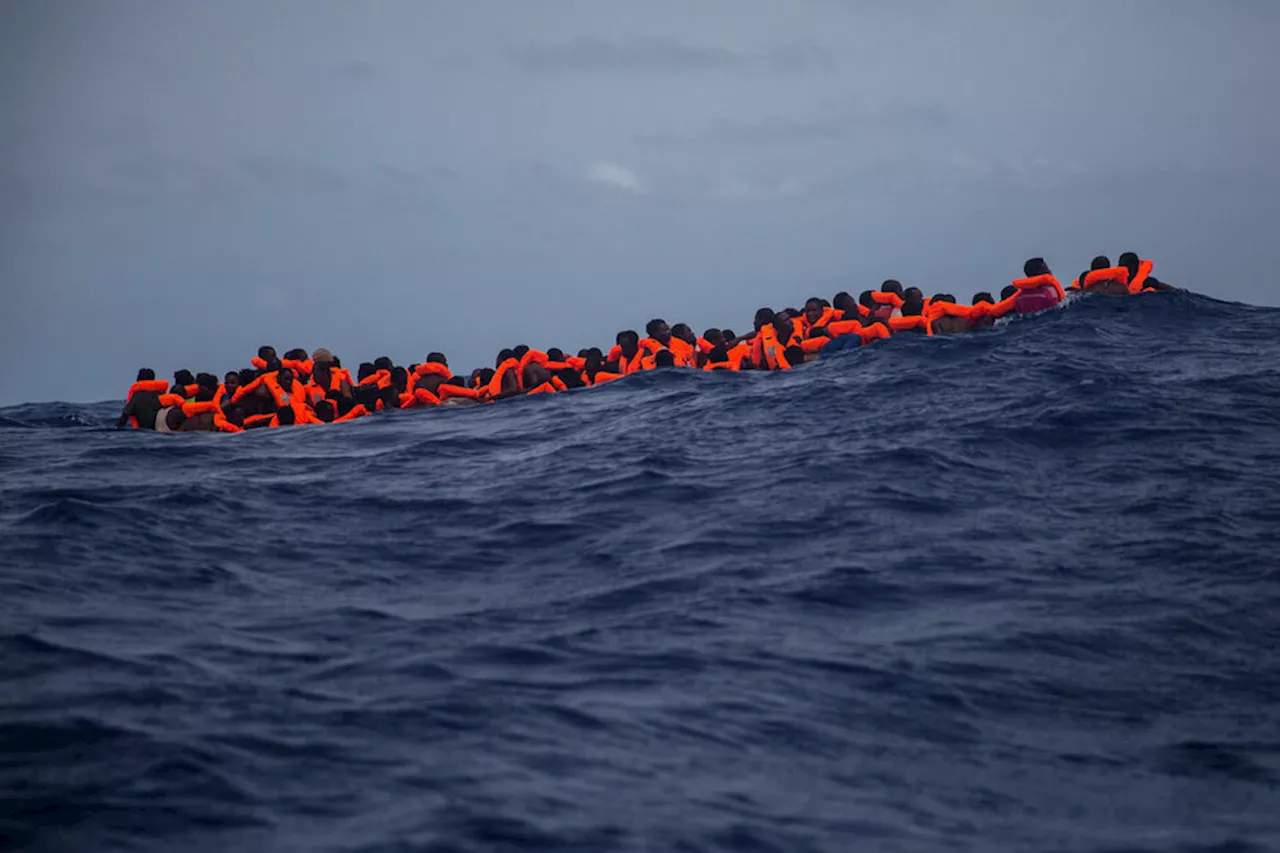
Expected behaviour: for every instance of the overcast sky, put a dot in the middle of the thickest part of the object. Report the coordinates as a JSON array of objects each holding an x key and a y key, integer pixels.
[{"x": 181, "y": 182}]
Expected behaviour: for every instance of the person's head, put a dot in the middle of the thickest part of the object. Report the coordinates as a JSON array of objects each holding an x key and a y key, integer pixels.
[
  {"x": 146, "y": 374},
  {"x": 891, "y": 285},
  {"x": 234, "y": 414},
  {"x": 594, "y": 359},
  {"x": 175, "y": 418},
  {"x": 519, "y": 352},
  {"x": 183, "y": 377},
  {"x": 1130, "y": 261},
  {"x": 812, "y": 310},
  {"x": 764, "y": 317},
  {"x": 286, "y": 417},
  {"x": 912, "y": 303},
  {"x": 365, "y": 370},
  {"x": 944, "y": 297},
  {"x": 658, "y": 329},
  {"x": 1034, "y": 267},
  {"x": 983, "y": 297},
  {"x": 437, "y": 358},
  {"x": 795, "y": 355},
  {"x": 664, "y": 358},
  {"x": 913, "y": 294},
  {"x": 866, "y": 300},
  {"x": 783, "y": 327},
  {"x": 231, "y": 382},
  {"x": 1100, "y": 263},
  {"x": 844, "y": 302},
  {"x": 285, "y": 377},
  {"x": 400, "y": 379},
  {"x": 729, "y": 334},
  {"x": 247, "y": 375},
  {"x": 325, "y": 411},
  {"x": 1009, "y": 290},
  {"x": 504, "y": 355},
  {"x": 555, "y": 354},
  {"x": 719, "y": 354},
  {"x": 267, "y": 354},
  {"x": 628, "y": 342},
  {"x": 382, "y": 362},
  {"x": 715, "y": 337},
  {"x": 683, "y": 332},
  {"x": 321, "y": 355},
  {"x": 206, "y": 384},
  {"x": 296, "y": 354}
]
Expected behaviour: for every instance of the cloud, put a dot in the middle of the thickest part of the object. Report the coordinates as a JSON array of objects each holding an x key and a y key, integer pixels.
[
  {"x": 839, "y": 123},
  {"x": 614, "y": 176},
  {"x": 653, "y": 53}
]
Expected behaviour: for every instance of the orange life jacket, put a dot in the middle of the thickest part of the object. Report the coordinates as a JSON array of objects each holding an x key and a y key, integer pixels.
[
  {"x": 533, "y": 356},
  {"x": 918, "y": 323},
  {"x": 446, "y": 392},
  {"x": 542, "y": 388},
  {"x": 1118, "y": 274},
  {"x": 295, "y": 397},
  {"x": 495, "y": 384},
  {"x": 156, "y": 386},
  {"x": 221, "y": 424},
  {"x": 1136, "y": 284},
  {"x": 357, "y": 411},
  {"x": 1037, "y": 281},
  {"x": 301, "y": 367},
  {"x": 193, "y": 409},
  {"x": 948, "y": 309},
  {"x": 828, "y": 314},
  {"x": 685, "y": 354},
  {"x": 994, "y": 310},
  {"x": 381, "y": 378},
  {"x": 601, "y": 376}
]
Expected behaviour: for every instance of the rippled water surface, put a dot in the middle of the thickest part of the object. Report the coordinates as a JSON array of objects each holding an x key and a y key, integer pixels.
[{"x": 1018, "y": 590}]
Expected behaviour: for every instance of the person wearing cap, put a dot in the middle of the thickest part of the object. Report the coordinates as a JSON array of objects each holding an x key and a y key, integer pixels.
[{"x": 327, "y": 380}]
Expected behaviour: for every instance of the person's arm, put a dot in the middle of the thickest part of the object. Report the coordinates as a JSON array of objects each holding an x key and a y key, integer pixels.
[{"x": 127, "y": 412}]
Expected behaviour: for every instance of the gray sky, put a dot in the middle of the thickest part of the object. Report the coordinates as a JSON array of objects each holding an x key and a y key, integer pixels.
[{"x": 183, "y": 181}]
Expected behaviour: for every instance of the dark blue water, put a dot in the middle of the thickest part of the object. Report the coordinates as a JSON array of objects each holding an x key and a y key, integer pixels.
[{"x": 1018, "y": 590}]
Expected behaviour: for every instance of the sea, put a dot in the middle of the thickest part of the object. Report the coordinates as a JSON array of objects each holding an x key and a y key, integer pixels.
[{"x": 1016, "y": 590}]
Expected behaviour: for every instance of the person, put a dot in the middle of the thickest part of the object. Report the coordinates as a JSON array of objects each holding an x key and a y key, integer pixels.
[
  {"x": 169, "y": 418},
  {"x": 266, "y": 362},
  {"x": 184, "y": 383},
  {"x": 947, "y": 317},
  {"x": 326, "y": 377},
  {"x": 1103, "y": 278},
  {"x": 143, "y": 401},
  {"x": 980, "y": 316},
  {"x": 657, "y": 337},
  {"x": 626, "y": 356},
  {"x": 504, "y": 382},
  {"x": 683, "y": 344},
  {"x": 1038, "y": 289},
  {"x": 1140, "y": 278},
  {"x": 230, "y": 384}
]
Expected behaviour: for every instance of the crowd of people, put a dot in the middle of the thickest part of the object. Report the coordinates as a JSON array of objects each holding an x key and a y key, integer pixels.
[{"x": 298, "y": 388}]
